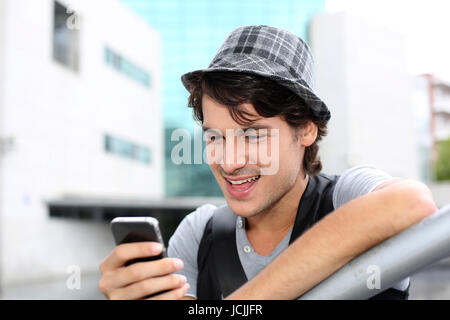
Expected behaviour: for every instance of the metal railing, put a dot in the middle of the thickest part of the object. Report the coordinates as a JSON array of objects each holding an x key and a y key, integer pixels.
[{"x": 395, "y": 258}]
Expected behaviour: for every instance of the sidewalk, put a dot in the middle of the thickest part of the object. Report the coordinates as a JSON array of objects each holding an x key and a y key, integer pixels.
[{"x": 55, "y": 290}]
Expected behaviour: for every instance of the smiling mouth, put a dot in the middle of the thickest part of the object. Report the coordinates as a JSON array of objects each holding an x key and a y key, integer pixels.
[{"x": 244, "y": 184}]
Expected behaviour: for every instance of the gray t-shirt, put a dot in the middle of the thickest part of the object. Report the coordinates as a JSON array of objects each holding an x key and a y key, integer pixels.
[{"x": 184, "y": 243}]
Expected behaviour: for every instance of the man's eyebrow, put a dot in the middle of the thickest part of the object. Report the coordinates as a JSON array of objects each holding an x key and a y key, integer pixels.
[
  {"x": 254, "y": 127},
  {"x": 215, "y": 131},
  {"x": 257, "y": 127}
]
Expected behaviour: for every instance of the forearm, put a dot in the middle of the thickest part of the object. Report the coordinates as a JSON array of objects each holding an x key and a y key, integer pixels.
[{"x": 338, "y": 238}]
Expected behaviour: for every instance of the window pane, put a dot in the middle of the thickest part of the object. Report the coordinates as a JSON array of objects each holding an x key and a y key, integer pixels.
[
  {"x": 127, "y": 67},
  {"x": 65, "y": 40},
  {"x": 126, "y": 149}
]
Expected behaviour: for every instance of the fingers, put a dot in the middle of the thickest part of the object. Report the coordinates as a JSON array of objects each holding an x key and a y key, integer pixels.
[
  {"x": 150, "y": 286},
  {"x": 142, "y": 279},
  {"x": 125, "y": 252},
  {"x": 175, "y": 294},
  {"x": 139, "y": 271}
]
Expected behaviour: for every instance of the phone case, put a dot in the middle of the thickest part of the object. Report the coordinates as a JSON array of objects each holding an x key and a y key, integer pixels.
[{"x": 137, "y": 229}]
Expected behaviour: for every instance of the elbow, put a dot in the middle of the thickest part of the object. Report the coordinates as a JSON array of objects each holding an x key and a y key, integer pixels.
[
  {"x": 413, "y": 202},
  {"x": 426, "y": 206},
  {"x": 419, "y": 201}
]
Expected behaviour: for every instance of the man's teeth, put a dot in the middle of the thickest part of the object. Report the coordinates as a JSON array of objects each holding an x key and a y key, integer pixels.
[{"x": 243, "y": 181}]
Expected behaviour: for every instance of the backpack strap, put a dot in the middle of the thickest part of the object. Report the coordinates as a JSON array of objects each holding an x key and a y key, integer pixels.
[
  {"x": 315, "y": 203},
  {"x": 230, "y": 273}
]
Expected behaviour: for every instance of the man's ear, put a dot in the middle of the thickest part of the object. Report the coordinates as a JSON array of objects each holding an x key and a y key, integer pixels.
[{"x": 308, "y": 134}]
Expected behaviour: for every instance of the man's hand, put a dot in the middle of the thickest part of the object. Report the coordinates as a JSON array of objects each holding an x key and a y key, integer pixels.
[{"x": 142, "y": 279}]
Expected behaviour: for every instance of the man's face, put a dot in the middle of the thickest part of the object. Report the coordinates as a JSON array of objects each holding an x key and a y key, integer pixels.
[{"x": 241, "y": 152}]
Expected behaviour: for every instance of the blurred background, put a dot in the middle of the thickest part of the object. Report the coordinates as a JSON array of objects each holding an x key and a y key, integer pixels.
[{"x": 90, "y": 94}]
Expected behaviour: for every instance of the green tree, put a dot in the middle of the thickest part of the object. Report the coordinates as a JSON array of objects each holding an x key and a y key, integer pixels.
[{"x": 442, "y": 167}]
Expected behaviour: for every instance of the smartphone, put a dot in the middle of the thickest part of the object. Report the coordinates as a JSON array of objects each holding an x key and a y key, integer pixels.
[{"x": 137, "y": 229}]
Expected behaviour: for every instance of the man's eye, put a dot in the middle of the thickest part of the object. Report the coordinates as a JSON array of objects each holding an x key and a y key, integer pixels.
[{"x": 213, "y": 138}]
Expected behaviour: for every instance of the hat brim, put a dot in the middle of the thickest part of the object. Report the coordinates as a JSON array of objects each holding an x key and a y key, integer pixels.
[{"x": 316, "y": 104}]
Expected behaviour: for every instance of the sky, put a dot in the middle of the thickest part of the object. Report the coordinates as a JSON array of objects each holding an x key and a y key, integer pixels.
[{"x": 424, "y": 23}]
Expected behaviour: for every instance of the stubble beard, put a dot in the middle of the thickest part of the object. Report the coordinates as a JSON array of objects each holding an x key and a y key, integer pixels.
[{"x": 273, "y": 198}]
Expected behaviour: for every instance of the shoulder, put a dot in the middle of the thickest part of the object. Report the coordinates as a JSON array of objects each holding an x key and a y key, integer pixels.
[
  {"x": 192, "y": 226},
  {"x": 358, "y": 181},
  {"x": 184, "y": 243},
  {"x": 364, "y": 174}
]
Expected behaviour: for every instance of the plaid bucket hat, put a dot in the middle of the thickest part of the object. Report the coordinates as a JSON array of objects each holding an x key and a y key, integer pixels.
[{"x": 270, "y": 52}]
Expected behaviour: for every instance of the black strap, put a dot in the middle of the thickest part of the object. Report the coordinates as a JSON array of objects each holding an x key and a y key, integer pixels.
[
  {"x": 392, "y": 294},
  {"x": 230, "y": 272},
  {"x": 303, "y": 219}
]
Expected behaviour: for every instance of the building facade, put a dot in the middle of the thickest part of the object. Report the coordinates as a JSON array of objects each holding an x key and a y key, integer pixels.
[
  {"x": 81, "y": 118},
  {"x": 362, "y": 76}
]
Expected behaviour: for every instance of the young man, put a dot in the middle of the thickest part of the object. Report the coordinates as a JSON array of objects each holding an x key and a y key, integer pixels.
[{"x": 286, "y": 226}]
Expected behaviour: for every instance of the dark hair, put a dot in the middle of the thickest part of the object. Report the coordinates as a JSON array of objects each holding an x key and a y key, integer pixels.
[{"x": 268, "y": 97}]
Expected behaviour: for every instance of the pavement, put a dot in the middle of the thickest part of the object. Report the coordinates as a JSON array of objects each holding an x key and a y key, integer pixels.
[
  {"x": 56, "y": 289},
  {"x": 431, "y": 283}
]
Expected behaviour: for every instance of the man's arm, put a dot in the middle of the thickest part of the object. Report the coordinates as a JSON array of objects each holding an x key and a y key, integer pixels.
[{"x": 339, "y": 237}]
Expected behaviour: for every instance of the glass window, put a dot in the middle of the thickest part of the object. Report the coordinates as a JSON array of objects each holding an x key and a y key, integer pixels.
[
  {"x": 127, "y": 149},
  {"x": 65, "y": 36},
  {"x": 126, "y": 67}
]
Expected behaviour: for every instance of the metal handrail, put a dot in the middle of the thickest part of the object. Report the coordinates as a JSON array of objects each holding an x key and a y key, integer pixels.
[{"x": 396, "y": 258}]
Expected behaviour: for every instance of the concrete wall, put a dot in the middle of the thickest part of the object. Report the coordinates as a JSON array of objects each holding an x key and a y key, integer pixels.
[
  {"x": 58, "y": 119},
  {"x": 361, "y": 74}
]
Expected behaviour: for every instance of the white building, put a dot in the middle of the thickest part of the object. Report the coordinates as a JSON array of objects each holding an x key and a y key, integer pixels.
[
  {"x": 439, "y": 104},
  {"x": 80, "y": 117},
  {"x": 362, "y": 76}
]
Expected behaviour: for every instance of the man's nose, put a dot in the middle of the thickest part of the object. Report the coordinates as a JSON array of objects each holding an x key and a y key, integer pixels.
[{"x": 234, "y": 156}]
